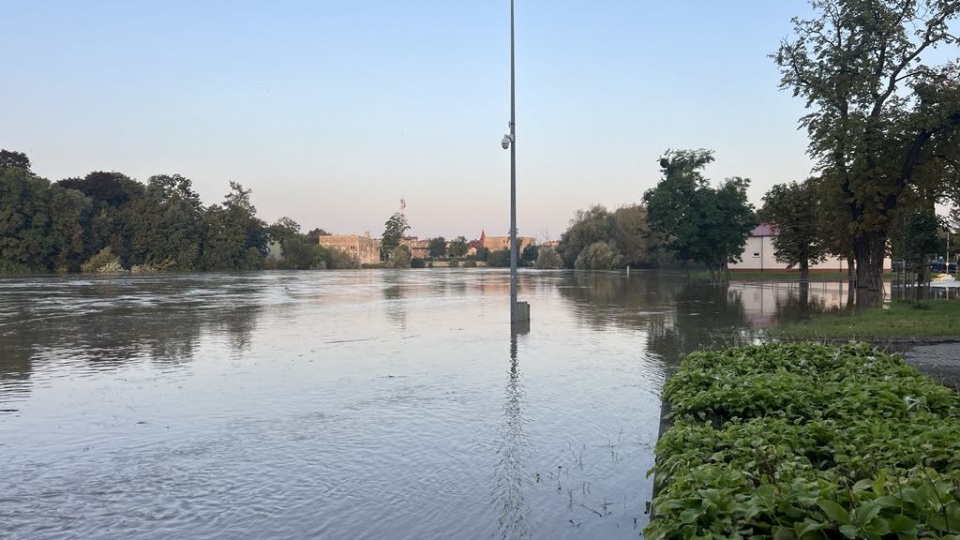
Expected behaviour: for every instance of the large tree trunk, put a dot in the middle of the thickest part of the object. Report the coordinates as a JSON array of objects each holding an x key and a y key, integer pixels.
[
  {"x": 851, "y": 268},
  {"x": 804, "y": 272},
  {"x": 869, "y": 250}
]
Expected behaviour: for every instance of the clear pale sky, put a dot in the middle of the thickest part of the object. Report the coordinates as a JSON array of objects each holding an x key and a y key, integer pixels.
[{"x": 333, "y": 111}]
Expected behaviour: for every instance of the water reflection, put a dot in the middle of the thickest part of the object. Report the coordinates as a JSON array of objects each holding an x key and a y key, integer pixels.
[{"x": 514, "y": 512}]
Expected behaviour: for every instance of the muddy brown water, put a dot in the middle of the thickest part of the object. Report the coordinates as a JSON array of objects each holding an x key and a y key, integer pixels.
[{"x": 355, "y": 405}]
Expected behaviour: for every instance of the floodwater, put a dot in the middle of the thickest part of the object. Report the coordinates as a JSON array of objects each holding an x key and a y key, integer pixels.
[{"x": 353, "y": 405}]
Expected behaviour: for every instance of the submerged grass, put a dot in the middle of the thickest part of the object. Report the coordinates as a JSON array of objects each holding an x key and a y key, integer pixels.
[
  {"x": 803, "y": 441},
  {"x": 899, "y": 319}
]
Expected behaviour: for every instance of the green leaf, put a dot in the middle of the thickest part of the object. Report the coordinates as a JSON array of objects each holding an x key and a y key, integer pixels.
[
  {"x": 903, "y": 525},
  {"x": 849, "y": 531},
  {"x": 867, "y": 512},
  {"x": 834, "y": 511}
]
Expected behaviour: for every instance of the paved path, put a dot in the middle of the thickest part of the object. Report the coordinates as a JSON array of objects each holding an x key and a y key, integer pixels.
[{"x": 940, "y": 361}]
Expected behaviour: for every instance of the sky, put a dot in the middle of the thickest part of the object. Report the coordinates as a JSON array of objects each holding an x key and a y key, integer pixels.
[{"x": 331, "y": 112}]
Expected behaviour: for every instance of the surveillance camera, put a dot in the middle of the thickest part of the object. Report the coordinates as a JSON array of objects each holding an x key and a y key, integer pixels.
[{"x": 505, "y": 143}]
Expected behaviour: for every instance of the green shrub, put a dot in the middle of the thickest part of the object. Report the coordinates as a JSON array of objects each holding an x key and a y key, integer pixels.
[
  {"x": 455, "y": 263},
  {"x": 807, "y": 441},
  {"x": 417, "y": 262},
  {"x": 104, "y": 262},
  {"x": 470, "y": 263}
]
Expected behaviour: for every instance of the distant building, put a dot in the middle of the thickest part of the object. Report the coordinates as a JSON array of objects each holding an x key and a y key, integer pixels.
[
  {"x": 418, "y": 248},
  {"x": 758, "y": 255},
  {"x": 494, "y": 243},
  {"x": 364, "y": 248}
]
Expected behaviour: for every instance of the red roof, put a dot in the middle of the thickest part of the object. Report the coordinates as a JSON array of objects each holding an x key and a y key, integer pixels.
[{"x": 765, "y": 229}]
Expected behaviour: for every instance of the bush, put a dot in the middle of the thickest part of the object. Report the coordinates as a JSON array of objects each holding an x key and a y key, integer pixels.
[
  {"x": 104, "y": 262},
  {"x": 499, "y": 258},
  {"x": 598, "y": 256},
  {"x": 547, "y": 259},
  {"x": 399, "y": 258},
  {"x": 341, "y": 260},
  {"x": 417, "y": 262},
  {"x": 455, "y": 263},
  {"x": 470, "y": 263},
  {"x": 807, "y": 441}
]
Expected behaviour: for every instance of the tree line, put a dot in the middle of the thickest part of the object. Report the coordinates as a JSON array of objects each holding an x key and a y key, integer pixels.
[
  {"x": 883, "y": 126},
  {"x": 106, "y": 221}
]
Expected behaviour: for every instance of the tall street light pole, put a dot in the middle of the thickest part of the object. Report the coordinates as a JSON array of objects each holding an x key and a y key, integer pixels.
[{"x": 518, "y": 312}]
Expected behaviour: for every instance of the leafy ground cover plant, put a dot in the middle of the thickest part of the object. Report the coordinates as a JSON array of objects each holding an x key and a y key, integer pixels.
[{"x": 807, "y": 441}]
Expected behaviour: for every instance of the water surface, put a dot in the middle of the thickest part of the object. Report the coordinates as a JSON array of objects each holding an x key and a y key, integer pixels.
[{"x": 355, "y": 405}]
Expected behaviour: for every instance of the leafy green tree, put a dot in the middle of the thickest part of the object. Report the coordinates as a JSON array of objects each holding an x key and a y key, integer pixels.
[
  {"x": 483, "y": 253},
  {"x": 399, "y": 258},
  {"x": 112, "y": 223},
  {"x": 631, "y": 234},
  {"x": 438, "y": 247},
  {"x": 548, "y": 259},
  {"x": 26, "y": 244},
  {"x": 499, "y": 258},
  {"x": 459, "y": 246},
  {"x": 529, "y": 255},
  {"x": 598, "y": 256},
  {"x": 696, "y": 221},
  {"x": 793, "y": 208},
  {"x": 10, "y": 158},
  {"x": 880, "y": 116},
  {"x": 165, "y": 226},
  {"x": 595, "y": 224},
  {"x": 393, "y": 233},
  {"x": 70, "y": 214},
  {"x": 913, "y": 240},
  {"x": 236, "y": 238},
  {"x": 315, "y": 234}
]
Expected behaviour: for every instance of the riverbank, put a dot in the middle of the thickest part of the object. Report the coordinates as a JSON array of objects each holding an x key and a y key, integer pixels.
[
  {"x": 797, "y": 440},
  {"x": 896, "y": 322}
]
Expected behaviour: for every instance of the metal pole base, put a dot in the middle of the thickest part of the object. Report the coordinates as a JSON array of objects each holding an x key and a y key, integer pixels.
[{"x": 521, "y": 312}]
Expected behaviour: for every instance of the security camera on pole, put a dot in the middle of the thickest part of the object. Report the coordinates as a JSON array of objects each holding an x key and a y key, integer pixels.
[{"x": 519, "y": 311}]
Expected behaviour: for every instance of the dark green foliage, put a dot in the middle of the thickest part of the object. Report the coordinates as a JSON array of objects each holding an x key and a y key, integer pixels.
[
  {"x": 315, "y": 234},
  {"x": 483, "y": 253},
  {"x": 417, "y": 262},
  {"x": 807, "y": 441},
  {"x": 624, "y": 229},
  {"x": 598, "y": 256},
  {"x": 26, "y": 242},
  {"x": 166, "y": 225},
  {"x": 469, "y": 263},
  {"x": 547, "y": 259},
  {"x": 499, "y": 258},
  {"x": 883, "y": 122},
  {"x": 698, "y": 222},
  {"x": 438, "y": 247},
  {"x": 528, "y": 257},
  {"x": 10, "y": 159},
  {"x": 236, "y": 238},
  {"x": 392, "y": 234},
  {"x": 400, "y": 257},
  {"x": 459, "y": 247},
  {"x": 793, "y": 208}
]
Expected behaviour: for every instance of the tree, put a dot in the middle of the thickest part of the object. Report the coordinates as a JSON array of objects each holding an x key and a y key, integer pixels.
[
  {"x": 483, "y": 253},
  {"x": 598, "y": 256},
  {"x": 529, "y": 255},
  {"x": 695, "y": 221},
  {"x": 499, "y": 258},
  {"x": 459, "y": 247},
  {"x": 548, "y": 259},
  {"x": 595, "y": 224},
  {"x": 399, "y": 258},
  {"x": 879, "y": 113},
  {"x": 165, "y": 226},
  {"x": 236, "y": 238},
  {"x": 631, "y": 234},
  {"x": 10, "y": 158},
  {"x": 438, "y": 247},
  {"x": 26, "y": 244},
  {"x": 793, "y": 209},
  {"x": 914, "y": 239},
  {"x": 393, "y": 233},
  {"x": 315, "y": 234}
]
